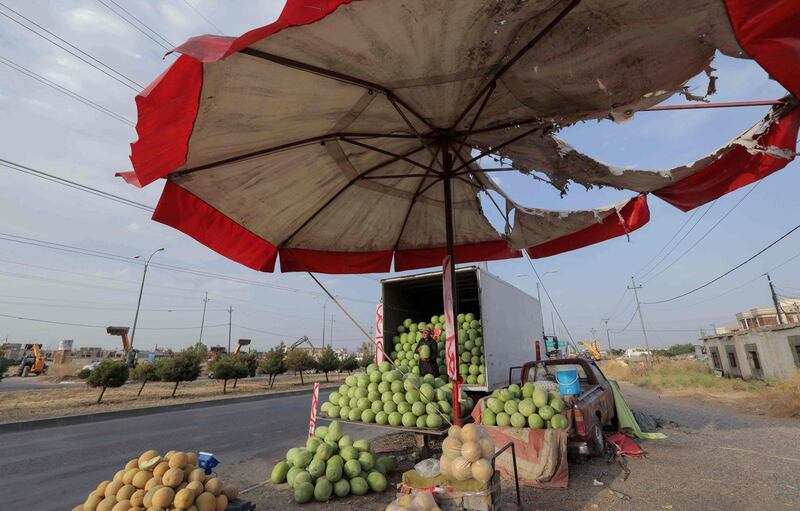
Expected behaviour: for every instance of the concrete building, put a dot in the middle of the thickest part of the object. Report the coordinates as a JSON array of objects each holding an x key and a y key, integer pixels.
[
  {"x": 768, "y": 316},
  {"x": 768, "y": 352},
  {"x": 12, "y": 350}
]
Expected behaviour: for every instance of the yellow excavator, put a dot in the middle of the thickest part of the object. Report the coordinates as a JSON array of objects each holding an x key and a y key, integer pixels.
[
  {"x": 131, "y": 355},
  {"x": 593, "y": 349},
  {"x": 32, "y": 361},
  {"x": 242, "y": 342}
]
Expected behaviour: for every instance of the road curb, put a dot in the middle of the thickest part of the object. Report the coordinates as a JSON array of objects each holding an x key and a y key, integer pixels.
[{"x": 14, "y": 427}]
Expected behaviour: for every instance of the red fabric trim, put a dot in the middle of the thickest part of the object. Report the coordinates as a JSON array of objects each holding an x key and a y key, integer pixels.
[
  {"x": 634, "y": 214},
  {"x": 299, "y": 259},
  {"x": 184, "y": 211},
  {"x": 428, "y": 257},
  {"x": 167, "y": 110},
  {"x": 768, "y": 31},
  {"x": 736, "y": 168},
  {"x": 211, "y": 48},
  {"x": 130, "y": 178}
]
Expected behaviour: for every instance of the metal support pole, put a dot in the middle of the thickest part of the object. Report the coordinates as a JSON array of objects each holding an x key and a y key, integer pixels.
[
  {"x": 203, "y": 319},
  {"x": 447, "y": 165},
  {"x": 541, "y": 312},
  {"x": 330, "y": 337},
  {"x": 141, "y": 290},
  {"x": 649, "y": 357},
  {"x": 608, "y": 338},
  {"x": 230, "y": 322},
  {"x": 323, "y": 321},
  {"x": 775, "y": 299}
]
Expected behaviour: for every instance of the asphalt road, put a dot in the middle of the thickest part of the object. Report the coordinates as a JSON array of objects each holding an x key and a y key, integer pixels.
[
  {"x": 55, "y": 468},
  {"x": 11, "y": 383}
]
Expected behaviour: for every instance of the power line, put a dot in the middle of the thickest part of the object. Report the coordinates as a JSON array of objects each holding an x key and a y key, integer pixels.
[
  {"x": 701, "y": 238},
  {"x": 170, "y": 46},
  {"x": 73, "y": 184},
  {"x": 729, "y": 271},
  {"x": 552, "y": 304},
  {"x": 74, "y": 95},
  {"x": 84, "y": 325},
  {"x": 684, "y": 224},
  {"x": 192, "y": 7},
  {"x": 124, "y": 81}
]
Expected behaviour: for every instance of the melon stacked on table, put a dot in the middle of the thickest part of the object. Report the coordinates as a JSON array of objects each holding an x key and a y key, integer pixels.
[
  {"x": 467, "y": 454},
  {"x": 526, "y": 407},
  {"x": 470, "y": 346},
  {"x": 332, "y": 465},
  {"x": 151, "y": 481},
  {"x": 384, "y": 395}
]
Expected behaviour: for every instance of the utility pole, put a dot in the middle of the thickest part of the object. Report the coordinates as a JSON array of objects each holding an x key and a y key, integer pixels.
[
  {"x": 775, "y": 299},
  {"x": 141, "y": 290},
  {"x": 324, "y": 320},
  {"x": 230, "y": 322},
  {"x": 203, "y": 320},
  {"x": 641, "y": 319},
  {"x": 541, "y": 314},
  {"x": 608, "y": 338},
  {"x": 330, "y": 337}
]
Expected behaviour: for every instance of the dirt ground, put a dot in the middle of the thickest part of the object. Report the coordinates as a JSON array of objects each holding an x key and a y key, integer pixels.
[{"x": 70, "y": 399}]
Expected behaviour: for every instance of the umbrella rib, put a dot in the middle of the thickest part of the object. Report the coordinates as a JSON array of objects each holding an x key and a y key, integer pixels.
[
  {"x": 399, "y": 176},
  {"x": 334, "y": 75},
  {"x": 500, "y": 146},
  {"x": 387, "y": 153},
  {"x": 343, "y": 189},
  {"x": 511, "y": 124},
  {"x": 521, "y": 53},
  {"x": 288, "y": 145},
  {"x": 414, "y": 200},
  {"x": 422, "y": 192}
]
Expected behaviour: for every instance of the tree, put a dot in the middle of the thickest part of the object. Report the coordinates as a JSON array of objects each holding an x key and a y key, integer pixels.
[
  {"x": 184, "y": 366},
  {"x": 4, "y": 365},
  {"x": 198, "y": 350},
  {"x": 349, "y": 364},
  {"x": 145, "y": 372},
  {"x": 300, "y": 361},
  {"x": 228, "y": 368},
  {"x": 108, "y": 373},
  {"x": 327, "y": 362},
  {"x": 274, "y": 364},
  {"x": 250, "y": 361},
  {"x": 365, "y": 355}
]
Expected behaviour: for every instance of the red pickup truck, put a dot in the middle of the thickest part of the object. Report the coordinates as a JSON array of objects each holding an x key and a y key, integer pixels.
[{"x": 591, "y": 411}]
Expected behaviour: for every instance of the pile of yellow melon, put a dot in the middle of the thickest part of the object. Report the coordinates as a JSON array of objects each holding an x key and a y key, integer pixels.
[
  {"x": 467, "y": 454},
  {"x": 157, "y": 483}
]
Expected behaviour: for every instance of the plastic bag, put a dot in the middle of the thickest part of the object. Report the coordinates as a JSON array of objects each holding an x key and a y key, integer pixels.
[
  {"x": 428, "y": 468},
  {"x": 467, "y": 454},
  {"x": 422, "y": 501}
]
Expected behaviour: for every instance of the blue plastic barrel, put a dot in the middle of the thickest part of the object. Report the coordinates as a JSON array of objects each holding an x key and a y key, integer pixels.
[{"x": 568, "y": 382}]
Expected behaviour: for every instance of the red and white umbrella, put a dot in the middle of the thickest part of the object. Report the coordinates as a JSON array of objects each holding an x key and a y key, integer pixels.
[{"x": 346, "y": 135}]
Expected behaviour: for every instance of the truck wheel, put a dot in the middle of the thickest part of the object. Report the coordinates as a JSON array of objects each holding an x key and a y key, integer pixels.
[{"x": 597, "y": 441}]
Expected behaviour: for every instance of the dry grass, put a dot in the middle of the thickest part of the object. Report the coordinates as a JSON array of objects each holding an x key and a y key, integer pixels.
[
  {"x": 78, "y": 398},
  {"x": 695, "y": 379},
  {"x": 60, "y": 372}
]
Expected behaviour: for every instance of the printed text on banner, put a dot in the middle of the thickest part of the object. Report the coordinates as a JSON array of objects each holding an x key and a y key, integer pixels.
[{"x": 312, "y": 422}]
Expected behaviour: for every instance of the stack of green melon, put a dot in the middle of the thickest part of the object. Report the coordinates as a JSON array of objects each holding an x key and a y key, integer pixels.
[
  {"x": 384, "y": 395},
  {"x": 332, "y": 465},
  {"x": 470, "y": 346},
  {"x": 526, "y": 407}
]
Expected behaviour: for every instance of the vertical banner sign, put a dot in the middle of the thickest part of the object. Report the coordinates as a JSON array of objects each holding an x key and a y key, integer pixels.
[
  {"x": 312, "y": 422},
  {"x": 379, "y": 355},
  {"x": 449, "y": 324}
]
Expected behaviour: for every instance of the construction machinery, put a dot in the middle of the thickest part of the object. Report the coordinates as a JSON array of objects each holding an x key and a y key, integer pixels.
[
  {"x": 32, "y": 361},
  {"x": 242, "y": 342},
  {"x": 593, "y": 348},
  {"x": 131, "y": 356},
  {"x": 300, "y": 341}
]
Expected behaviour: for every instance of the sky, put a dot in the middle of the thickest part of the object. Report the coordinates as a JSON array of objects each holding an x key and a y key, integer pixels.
[{"x": 47, "y": 130}]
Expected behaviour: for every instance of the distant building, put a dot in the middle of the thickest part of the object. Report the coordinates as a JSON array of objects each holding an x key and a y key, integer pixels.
[
  {"x": 768, "y": 316},
  {"x": 12, "y": 350},
  {"x": 636, "y": 354},
  {"x": 768, "y": 352}
]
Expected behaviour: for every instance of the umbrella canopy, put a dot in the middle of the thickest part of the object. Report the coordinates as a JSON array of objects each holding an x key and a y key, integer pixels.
[{"x": 346, "y": 135}]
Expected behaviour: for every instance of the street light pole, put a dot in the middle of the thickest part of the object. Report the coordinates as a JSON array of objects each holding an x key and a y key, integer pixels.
[
  {"x": 230, "y": 321},
  {"x": 141, "y": 290},
  {"x": 635, "y": 288},
  {"x": 608, "y": 338},
  {"x": 324, "y": 319},
  {"x": 203, "y": 319}
]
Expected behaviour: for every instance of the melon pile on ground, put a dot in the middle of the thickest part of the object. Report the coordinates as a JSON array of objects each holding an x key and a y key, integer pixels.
[
  {"x": 470, "y": 346},
  {"x": 152, "y": 481},
  {"x": 332, "y": 465},
  {"x": 384, "y": 395},
  {"x": 526, "y": 407},
  {"x": 467, "y": 454}
]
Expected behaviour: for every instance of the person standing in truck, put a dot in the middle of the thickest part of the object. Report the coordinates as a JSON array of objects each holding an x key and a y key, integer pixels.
[{"x": 427, "y": 357}]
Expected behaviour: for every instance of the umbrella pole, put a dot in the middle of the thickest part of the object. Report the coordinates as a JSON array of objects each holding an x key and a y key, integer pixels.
[{"x": 447, "y": 163}]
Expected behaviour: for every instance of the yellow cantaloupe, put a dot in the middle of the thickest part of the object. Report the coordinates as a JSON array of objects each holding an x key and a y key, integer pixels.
[
  {"x": 445, "y": 466},
  {"x": 192, "y": 458},
  {"x": 101, "y": 488},
  {"x": 79, "y": 507},
  {"x": 178, "y": 460},
  {"x": 122, "y": 505},
  {"x": 424, "y": 500},
  {"x": 148, "y": 496},
  {"x": 451, "y": 447},
  {"x": 112, "y": 488},
  {"x": 181, "y": 486},
  {"x": 125, "y": 492},
  {"x": 127, "y": 477},
  {"x": 191, "y": 508},
  {"x": 163, "y": 497},
  {"x": 149, "y": 464},
  {"x": 118, "y": 475},
  {"x": 107, "y": 504},
  {"x": 92, "y": 502},
  {"x": 232, "y": 492},
  {"x": 196, "y": 487},
  {"x": 462, "y": 469},
  {"x": 184, "y": 498},
  {"x": 146, "y": 455},
  {"x": 470, "y": 433},
  {"x": 197, "y": 475},
  {"x": 161, "y": 468},
  {"x": 141, "y": 478},
  {"x": 206, "y": 501},
  {"x": 482, "y": 470},
  {"x": 134, "y": 463},
  {"x": 214, "y": 486},
  {"x": 454, "y": 432},
  {"x": 471, "y": 451},
  {"x": 222, "y": 502},
  {"x": 188, "y": 468},
  {"x": 153, "y": 481},
  {"x": 137, "y": 498},
  {"x": 138, "y": 508},
  {"x": 487, "y": 447},
  {"x": 172, "y": 477},
  {"x": 168, "y": 455}
]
